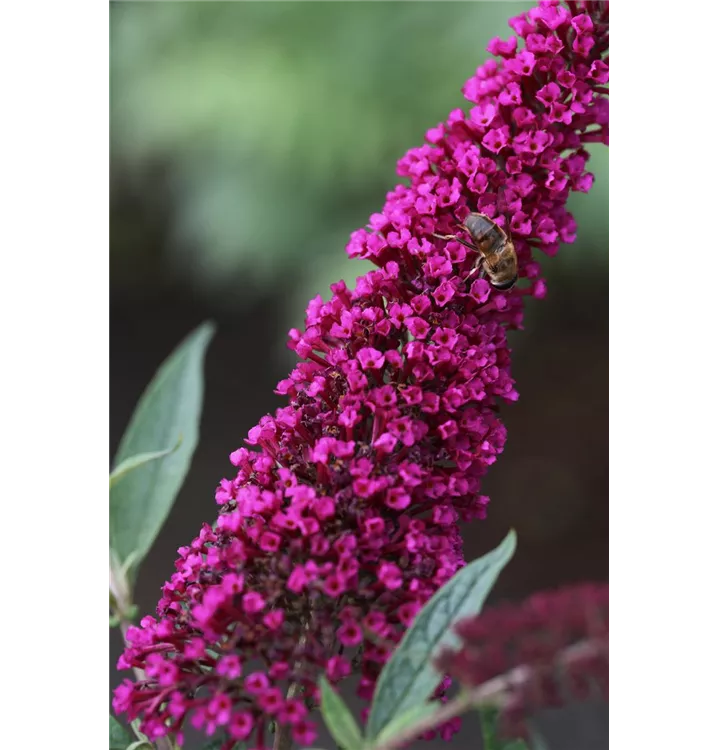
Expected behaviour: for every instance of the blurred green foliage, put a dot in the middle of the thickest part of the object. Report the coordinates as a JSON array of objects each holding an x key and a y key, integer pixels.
[{"x": 278, "y": 126}]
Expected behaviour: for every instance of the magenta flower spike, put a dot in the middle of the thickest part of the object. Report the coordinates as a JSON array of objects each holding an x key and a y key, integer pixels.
[
  {"x": 342, "y": 517},
  {"x": 546, "y": 652}
]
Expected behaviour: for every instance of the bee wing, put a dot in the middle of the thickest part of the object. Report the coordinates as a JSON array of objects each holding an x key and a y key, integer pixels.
[{"x": 478, "y": 226}]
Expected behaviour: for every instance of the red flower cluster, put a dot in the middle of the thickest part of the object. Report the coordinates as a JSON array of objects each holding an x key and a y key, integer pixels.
[
  {"x": 342, "y": 520},
  {"x": 553, "y": 648}
]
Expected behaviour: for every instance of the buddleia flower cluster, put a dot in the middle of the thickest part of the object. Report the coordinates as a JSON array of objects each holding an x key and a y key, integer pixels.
[
  {"x": 549, "y": 650},
  {"x": 342, "y": 517}
]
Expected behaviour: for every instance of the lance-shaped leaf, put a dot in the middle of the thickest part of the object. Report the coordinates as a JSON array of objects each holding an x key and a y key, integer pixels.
[
  {"x": 338, "y": 718},
  {"x": 120, "y": 738},
  {"x": 406, "y": 720},
  {"x": 409, "y": 677},
  {"x": 169, "y": 408},
  {"x": 134, "y": 462}
]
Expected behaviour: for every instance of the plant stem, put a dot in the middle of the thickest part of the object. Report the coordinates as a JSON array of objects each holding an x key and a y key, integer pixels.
[
  {"x": 283, "y": 732},
  {"x": 494, "y": 692}
]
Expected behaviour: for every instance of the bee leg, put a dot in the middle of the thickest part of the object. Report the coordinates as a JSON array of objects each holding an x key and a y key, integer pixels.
[
  {"x": 471, "y": 275},
  {"x": 466, "y": 244},
  {"x": 455, "y": 238}
]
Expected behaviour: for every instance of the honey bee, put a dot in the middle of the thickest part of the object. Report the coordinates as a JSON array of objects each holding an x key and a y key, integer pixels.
[{"x": 497, "y": 255}]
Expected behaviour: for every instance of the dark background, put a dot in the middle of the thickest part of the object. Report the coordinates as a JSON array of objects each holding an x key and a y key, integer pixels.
[{"x": 248, "y": 140}]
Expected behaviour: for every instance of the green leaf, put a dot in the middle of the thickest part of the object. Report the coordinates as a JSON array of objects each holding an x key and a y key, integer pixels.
[
  {"x": 489, "y": 727},
  {"x": 338, "y": 718},
  {"x": 120, "y": 738},
  {"x": 114, "y": 621},
  {"x": 409, "y": 677},
  {"x": 405, "y": 720},
  {"x": 136, "y": 729},
  {"x": 135, "y": 462},
  {"x": 140, "y": 745},
  {"x": 169, "y": 408},
  {"x": 490, "y": 732}
]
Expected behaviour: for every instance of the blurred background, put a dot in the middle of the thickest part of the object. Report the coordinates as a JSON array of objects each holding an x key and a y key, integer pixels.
[{"x": 247, "y": 141}]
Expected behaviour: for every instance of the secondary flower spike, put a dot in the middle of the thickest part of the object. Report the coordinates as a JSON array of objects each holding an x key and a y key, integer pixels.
[
  {"x": 552, "y": 650},
  {"x": 342, "y": 518}
]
